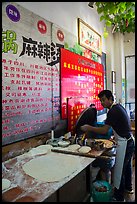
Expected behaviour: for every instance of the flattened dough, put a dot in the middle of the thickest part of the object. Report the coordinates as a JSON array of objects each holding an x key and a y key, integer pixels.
[
  {"x": 50, "y": 167},
  {"x": 42, "y": 149},
  {"x": 5, "y": 184},
  {"x": 73, "y": 147},
  {"x": 84, "y": 149},
  {"x": 48, "y": 147}
]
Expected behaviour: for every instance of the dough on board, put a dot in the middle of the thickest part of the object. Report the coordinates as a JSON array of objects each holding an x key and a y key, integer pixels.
[
  {"x": 5, "y": 184},
  {"x": 51, "y": 168},
  {"x": 84, "y": 149},
  {"x": 73, "y": 147}
]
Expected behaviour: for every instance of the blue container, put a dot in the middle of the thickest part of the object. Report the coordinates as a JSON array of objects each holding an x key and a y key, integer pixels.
[{"x": 101, "y": 196}]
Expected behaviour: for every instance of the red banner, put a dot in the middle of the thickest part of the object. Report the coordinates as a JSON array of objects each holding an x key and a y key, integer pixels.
[{"x": 82, "y": 79}]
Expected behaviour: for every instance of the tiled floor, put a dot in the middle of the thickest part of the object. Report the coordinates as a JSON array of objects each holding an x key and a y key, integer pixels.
[{"x": 128, "y": 197}]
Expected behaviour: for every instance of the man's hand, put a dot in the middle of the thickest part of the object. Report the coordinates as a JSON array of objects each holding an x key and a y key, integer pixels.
[
  {"x": 85, "y": 128},
  {"x": 99, "y": 130}
]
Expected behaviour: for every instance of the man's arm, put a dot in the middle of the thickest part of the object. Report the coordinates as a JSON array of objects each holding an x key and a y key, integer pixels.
[{"x": 99, "y": 130}]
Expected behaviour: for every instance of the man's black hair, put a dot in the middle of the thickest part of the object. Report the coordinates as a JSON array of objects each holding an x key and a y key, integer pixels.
[{"x": 106, "y": 93}]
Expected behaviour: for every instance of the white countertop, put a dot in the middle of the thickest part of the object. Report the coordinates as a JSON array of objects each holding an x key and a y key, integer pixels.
[{"x": 38, "y": 190}]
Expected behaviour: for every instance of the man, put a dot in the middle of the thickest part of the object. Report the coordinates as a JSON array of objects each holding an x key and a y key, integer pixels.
[
  {"x": 87, "y": 116},
  {"x": 118, "y": 119}
]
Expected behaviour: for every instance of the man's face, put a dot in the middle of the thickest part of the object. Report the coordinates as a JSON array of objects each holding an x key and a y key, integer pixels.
[{"x": 105, "y": 102}]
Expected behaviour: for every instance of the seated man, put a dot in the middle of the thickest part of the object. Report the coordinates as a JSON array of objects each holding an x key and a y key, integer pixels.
[{"x": 87, "y": 116}]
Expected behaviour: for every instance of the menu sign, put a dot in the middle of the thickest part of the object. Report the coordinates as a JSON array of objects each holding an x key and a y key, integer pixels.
[
  {"x": 30, "y": 75},
  {"x": 80, "y": 78}
]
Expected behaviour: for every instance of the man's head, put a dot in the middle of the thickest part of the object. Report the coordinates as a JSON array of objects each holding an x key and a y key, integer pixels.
[{"x": 106, "y": 98}]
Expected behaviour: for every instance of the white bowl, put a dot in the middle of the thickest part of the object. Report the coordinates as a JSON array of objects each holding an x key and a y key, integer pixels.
[{"x": 63, "y": 143}]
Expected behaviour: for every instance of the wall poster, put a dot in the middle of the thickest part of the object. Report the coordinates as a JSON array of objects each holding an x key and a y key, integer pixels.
[
  {"x": 30, "y": 74},
  {"x": 81, "y": 81},
  {"x": 89, "y": 38}
]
